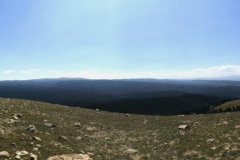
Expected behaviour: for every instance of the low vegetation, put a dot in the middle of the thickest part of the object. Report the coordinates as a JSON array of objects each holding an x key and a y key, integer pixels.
[
  {"x": 230, "y": 106},
  {"x": 104, "y": 135}
]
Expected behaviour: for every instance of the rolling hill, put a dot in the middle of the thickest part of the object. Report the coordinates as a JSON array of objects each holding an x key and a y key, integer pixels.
[{"x": 140, "y": 96}]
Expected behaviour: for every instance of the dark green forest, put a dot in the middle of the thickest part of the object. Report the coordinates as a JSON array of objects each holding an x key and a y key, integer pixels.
[{"x": 138, "y": 96}]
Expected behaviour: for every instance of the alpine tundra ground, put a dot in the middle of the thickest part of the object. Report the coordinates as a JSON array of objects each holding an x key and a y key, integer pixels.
[{"x": 60, "y": 130}]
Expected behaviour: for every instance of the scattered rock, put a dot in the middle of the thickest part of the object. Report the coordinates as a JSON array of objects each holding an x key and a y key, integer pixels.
[
  {"x": 33, "y": 156},
  {"x": 38, "y": 145},
  {"x": 37, "y": 138},
  {"x": 71, "y": 156},
  {"x": 127, "y": 115},
  {"x": 4, "y": 154},
  {"x": 18, "y": 115},
  {"x": 181, "y": 133},
  {"x": 31, "y": 128},
  {"x": 91, "y": 128},
  {"x": 35, "y": 149},
  {"x": 82, "y": 152},
  {"x": 226, "y": 148},
  {"x": 131, "y": 151},
  {"x": 17, "y": 157},
  {"x": 224, "y": 123},
  {"x": 11, "y": 121},
  {"x": 49, "y": 125},
  {"x": 14, "y": 144},
  {"x": 15, "y": 117},
  {"x": 78, "y": 138},
  {"x": 2, "y": 131},
  {"x": 90, "y": 154},
  {"x": 183, "y": 127},
  {"x": 21, "y": 153},
  {"x": 63, "y": 138},
  {"x": 210, "y": 140},
  {"x": 237, "y": 126},
  {"x": 77, "y": 124}
]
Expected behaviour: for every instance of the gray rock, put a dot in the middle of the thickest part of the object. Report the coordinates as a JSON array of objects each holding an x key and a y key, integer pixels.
[
  {"x": 210, "y": 140},
  {"x": 131, "y": 151},
  {"x": 38, "y": 145},
  {"x": 31, "y": 128},
  {"x": 49, "y": 125}
]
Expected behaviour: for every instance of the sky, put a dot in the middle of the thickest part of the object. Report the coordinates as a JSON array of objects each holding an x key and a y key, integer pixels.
[{"x": 115, "y": 39}]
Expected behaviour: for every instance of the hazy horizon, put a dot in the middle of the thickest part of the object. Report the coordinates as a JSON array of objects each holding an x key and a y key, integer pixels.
[{"x": 119, "y": 39}]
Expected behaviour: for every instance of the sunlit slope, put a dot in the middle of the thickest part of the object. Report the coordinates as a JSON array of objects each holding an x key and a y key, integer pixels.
[
  {"x": 106, "y": 136},
  {"x": 228, "y": 106}
]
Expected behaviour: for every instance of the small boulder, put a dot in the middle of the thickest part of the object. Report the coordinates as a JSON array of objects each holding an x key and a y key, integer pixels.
[
  {"x": 18, "y": 115},
  {"x": 2, "y": 131},
  {"x": 31, "y": 128},
  {"x": 37, "y": 138},
  {"x": 4, "y": 154},
  {"x": 127, "y": 115},
  {"x": 131, "y": 151},
  {"x": 77, "y": 124},
  {"x": 63, "y": 138},
  {"x": 237, "y": 126},
  {"x": 183, "y": 127},
  {"x": 210, "y": 140},
  {"x": 21, "y": 153},
  {"x": 49, "y": 125},
  {"x": 33, "y": 156},
  {"x": 38, "y": 145},
  {"x": 17, "y": 157},
  {"x": 224, "y": 123},
  {"x": 78, "y": 138},
  {"x": 213, "y": 148},
  {"x": 15, "y": 117}
]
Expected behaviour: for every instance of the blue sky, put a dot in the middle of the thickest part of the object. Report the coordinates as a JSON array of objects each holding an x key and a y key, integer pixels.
[{"x": 119, "y": 39}]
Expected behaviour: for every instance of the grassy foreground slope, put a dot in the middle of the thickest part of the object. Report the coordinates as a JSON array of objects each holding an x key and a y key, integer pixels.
[{"x": 105, "y": 135}]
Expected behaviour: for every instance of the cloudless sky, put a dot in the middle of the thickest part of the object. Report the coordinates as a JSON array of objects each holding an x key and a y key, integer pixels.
[{"x": 119, "y": 38}]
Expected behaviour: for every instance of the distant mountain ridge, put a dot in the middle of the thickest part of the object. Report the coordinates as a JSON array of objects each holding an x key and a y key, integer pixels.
[{"x": 88, "y": 93}]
